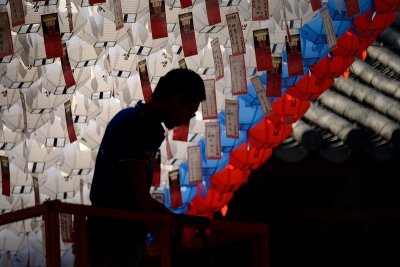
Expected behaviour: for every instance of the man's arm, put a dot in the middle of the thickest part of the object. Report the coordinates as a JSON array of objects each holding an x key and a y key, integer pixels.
[{"x": 136, "y": 172}]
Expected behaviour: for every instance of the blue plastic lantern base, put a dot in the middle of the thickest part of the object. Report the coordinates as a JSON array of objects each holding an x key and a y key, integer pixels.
[
  {"x": 210, "y": 166},
  {"x": 342, "y": 15},
  {"x": 314, "y": 30},
  {"x": 188, "y": 193},
  {"x": 181, "y": 210},
  {"x": 205, "y": 186},
  {"x": 183, "y": 173}
]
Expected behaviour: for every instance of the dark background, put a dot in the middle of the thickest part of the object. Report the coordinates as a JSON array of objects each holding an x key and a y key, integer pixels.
[{"x": 320, "y": 213}]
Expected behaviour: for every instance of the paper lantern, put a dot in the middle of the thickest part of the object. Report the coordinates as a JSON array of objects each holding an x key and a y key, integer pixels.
[
  {"x": 229, "y": 179},
  {"x": 249, "y": 157},
  {"x": 268, "y": 133}
]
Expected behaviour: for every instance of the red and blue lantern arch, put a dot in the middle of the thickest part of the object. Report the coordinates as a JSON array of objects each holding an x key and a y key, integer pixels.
[{"x": 259, "y": 134}]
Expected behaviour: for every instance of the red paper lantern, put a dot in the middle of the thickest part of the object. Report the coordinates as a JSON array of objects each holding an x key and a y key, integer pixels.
[
  {"x": 350, "y": 45},
  {"x": 331, "y": 67},
  {"x": 387, "y": 6},
  {"x": 213, "y": 202},
  {"x": 229, "y": 179},
  {"x": 288, "y": 109},
  {"x": 368, "y": 27},
  {"x": 309, "y": 86},
  {"x": 268, "y": 133},
  {"x": 249, "y": 157}
]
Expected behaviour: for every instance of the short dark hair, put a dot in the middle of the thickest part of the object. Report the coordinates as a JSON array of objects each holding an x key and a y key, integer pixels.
[{"x": 180, "y": 82}]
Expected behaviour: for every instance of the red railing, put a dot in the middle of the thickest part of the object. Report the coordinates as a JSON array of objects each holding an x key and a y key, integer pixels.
[{"x": 227, "y": 231}]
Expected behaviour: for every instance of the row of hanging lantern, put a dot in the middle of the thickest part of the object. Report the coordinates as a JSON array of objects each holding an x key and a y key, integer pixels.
[
  {"x": 35, "y": 109},
  {"x": 355, "y": 29},
  {"x": 318, "y": 49}
]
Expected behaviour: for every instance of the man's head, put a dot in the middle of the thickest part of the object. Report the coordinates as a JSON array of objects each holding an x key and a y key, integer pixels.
[{"x": 179, "y": 94}]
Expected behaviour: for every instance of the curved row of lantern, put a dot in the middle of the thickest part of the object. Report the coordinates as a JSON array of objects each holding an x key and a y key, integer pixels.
[{"x": 259, "y": 134}]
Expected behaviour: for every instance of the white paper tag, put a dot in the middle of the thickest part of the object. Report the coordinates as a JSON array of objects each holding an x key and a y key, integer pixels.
[
  {"x": 260, "y": 9},
  {"x": 213, "y": 140},
  {"x": 194, "y": 164},
  {"x": 232, "y": 118},
  {"x": 261, "y": 94},
  {"x": 330, "y": 33},
  {"x": 238, "y": 75},
  {"x": 235, "y": 34},
  {"x": 209, "y": 105},
  {"x": 218, "y": 61}
]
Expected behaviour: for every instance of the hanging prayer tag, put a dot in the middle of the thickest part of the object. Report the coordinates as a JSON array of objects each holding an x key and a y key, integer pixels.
[
  {"x": 213, "y": 12},
  {"x": 232, "y": 118},
  {"x": 158, "y": 19},
  {"x": 213, "y": 140},
  {"x": 5, "y": 176},
  {"x": 93, "y": 2},
  {"x": 70, "y": 123},
  {"x": 119, "y": 17},
  {"x": 285, "y": 21},
  {"x": 274, "y": 78},
  {"x": 194, "y": 164},
  {"x": 260, "y": 9},
  {"x": 17, "y": 12},
  {"x": 294, "y": 56},
  {"x": 157, "y": 169},
  {"x": 66, "y": 67},
  {"x": 66, "y": 227},
  {"x": 158, "y": 196},
  {"x": 185, "y": 3},
  {"x": 235, "y": 34},
  {"x": 175, "y": 189},
  {"x": 209, "y": 105},
  {"x": 181, "y": 132},
  {"x": 81, "y": 190},
  {"x": 69, "y": 11},
  {"x": 352, "y": 7},
  {"x": 168, "y": 147},
  {"x": 24, "y": 114},
  {"x": 36, "y": 192},
  {"x": 182, "y": 64},
  {"x": 188, "y": 36},
  {"x": 144, "y": 80},
  {"x": 238, "y": 75},
  {"x": 262, "y": 97},
  {"x": 262, "y": 49},
  {"x": 316, "y": 4},
  {"x": 6, "y": 44},
  {"x": 218, "y": 61},
  {"x": 51, "y": 35},
  {"x": 330, "y": 33}
]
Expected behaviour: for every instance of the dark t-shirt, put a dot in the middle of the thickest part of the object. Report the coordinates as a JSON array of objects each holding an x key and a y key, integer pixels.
[{"x": 131, "y": 135}]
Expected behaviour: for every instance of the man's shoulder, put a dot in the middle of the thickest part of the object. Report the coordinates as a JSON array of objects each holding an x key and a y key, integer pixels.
[{"x": 131, "y": 113}]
